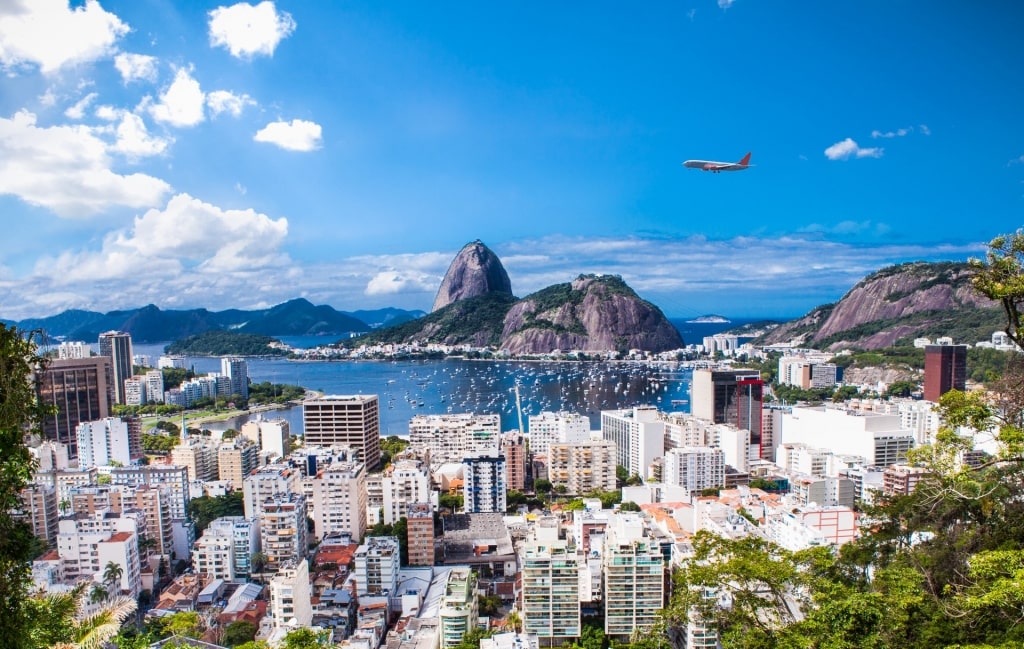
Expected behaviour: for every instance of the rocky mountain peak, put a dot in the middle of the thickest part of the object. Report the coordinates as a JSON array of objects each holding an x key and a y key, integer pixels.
[{"x": 475, "y": 271}]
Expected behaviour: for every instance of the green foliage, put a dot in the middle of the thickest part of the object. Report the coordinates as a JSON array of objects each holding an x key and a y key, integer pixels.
[
  {"x": 305, "y": 639},
  {"x": 471, "y": 639},
  {"x": 391, "y": 446},
  {"x": 159, "y": 443},
  {"x": 629, "y": 506},
  {"x": 267, "y": 392},
  {"x": 175, "y": 376},
  {"x": 608, "y": 498},
  {"x": 226, "y": 343},
  {"x": 20, "y": 412},
  {"x": 542, "y": 485},
  {"x": 239, "y": 632},
  {"x": 1000, "y": 276},
  {"x": 204, "y": 509},
  {"x": 450, "y": 501},
  {"x": 488, "y": 604},
  {"x": 901, "y": 389},
  {"x": 184, "y": 624},
  {"x": 478, "y": 320}
]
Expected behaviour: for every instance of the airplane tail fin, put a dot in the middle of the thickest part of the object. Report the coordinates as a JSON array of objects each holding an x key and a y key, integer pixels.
[{"x": 746, "y": 159}]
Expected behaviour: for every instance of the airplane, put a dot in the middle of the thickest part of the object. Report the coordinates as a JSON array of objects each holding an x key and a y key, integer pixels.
[{"x": 715, "y": 167}]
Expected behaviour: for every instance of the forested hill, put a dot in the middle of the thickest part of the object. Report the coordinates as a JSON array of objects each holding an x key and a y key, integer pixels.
[{"x": 227, "y": 343}]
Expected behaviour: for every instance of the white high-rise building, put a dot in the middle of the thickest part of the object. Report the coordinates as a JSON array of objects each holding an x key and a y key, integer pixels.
[
  {"x": 452, "y": 437},
  {"x": 290, "y": 596},
  {"x": 102, "y": 442},
  {"x": 272, "y": 435},
  {"x": 377, "y": 562},
  {"x": 695, "y": 468},
  {"x": 136, "y": 391},
  {"x": 154, "y": 386},
  {"x": 73, "y": 349},
  {"x": 634, "y": 578},
  {"x": 275, "y": 480},
  {"x": 339, "y": 499},
  {"x": 551, "y": 587},
  {"x": 484, "y": 487},
  {"x": 878, "y": 438},
  {"x": 237, "y": 372},
  {"x": 245, "y": 537},
  {"x": 639, "y": 436},
  {"x": 406, "y": 482},
  {"x": 459, "y": 609},
  {"x": 549, "y": 428},
  {"x": 213, "y": 556}
]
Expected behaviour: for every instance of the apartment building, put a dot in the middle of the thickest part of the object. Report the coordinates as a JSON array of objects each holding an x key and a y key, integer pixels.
[
  {"x": 583, "y": 467},
  {"x": 452, "y": 437}
]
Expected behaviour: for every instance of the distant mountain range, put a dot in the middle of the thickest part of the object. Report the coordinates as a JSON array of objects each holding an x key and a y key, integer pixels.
[{"x": 150, "y": 324}]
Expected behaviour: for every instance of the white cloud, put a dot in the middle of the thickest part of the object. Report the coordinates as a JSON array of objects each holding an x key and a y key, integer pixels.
[
  {"x": 135, "y": 67},
  {"x": 900, "y": 132},
  {"x": 725, "y": 4},
  {"x": 188, "y": 237},
  {"x": 67, "y": 169},
  {"x": 77, "y": 111},
  {"x": 48, "y": 98},
  {"x": 181, "y": 104},
  {"x": 924, "y": 129},
  {"x": 245, "y": 30},
  {"x": 847, "y": 148},
  {"x": 1017, "y": 160},
  {"x": 392, "y": 282},
  {"x": 223, "y": 101},
  {"x": 108, "y": 113},
  {"x": 134, "y": 141},
  {"x": 52, "y": 35},
  {"x": 297, "y": 135}
]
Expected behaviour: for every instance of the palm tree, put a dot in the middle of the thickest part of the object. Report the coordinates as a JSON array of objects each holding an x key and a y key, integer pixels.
[
  {"x": 257, "y": 563},
  {"x": 66, "y": 627},
  {"x": 64, "y": 506},
  {"x": 112, "y": 574},
  {"x": 97, "y": 594}
]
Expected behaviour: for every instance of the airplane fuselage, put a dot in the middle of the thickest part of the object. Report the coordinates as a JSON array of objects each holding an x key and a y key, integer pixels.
[{"x": 715, "y": 166}]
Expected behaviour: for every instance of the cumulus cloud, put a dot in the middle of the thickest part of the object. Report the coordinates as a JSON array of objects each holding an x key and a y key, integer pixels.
[
  {"x": 67, "y": 169},
  {"x": 188, "y": 236},
  {"x": 136, "y": 67},
  {"x": 181, "y": 104},
  {"x": 245, "y": 30},
  {"x": 296, "y": 135},
  {"x": 847, "y": 149},
  {"x": 134, "y": 140},
  {"x": 223, "y": 101},
  {"x": 77, "y": 111},
  {"x": 52, "y": 35}
]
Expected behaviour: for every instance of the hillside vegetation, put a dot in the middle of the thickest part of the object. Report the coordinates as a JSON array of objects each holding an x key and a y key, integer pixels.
[{"x": 226, "y": 343}]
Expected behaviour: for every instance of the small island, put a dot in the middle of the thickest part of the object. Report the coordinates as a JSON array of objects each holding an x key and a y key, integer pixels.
[
  {"x": 709, "y": 319},
  {"x": 228, "y": 343}
]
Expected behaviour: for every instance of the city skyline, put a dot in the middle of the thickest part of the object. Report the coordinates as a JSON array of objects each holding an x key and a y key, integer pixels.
[{"x": 237, "y": 156}]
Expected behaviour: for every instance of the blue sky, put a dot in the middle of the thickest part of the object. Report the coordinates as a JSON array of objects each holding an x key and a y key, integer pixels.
[{"x": 193, "y": 154}]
